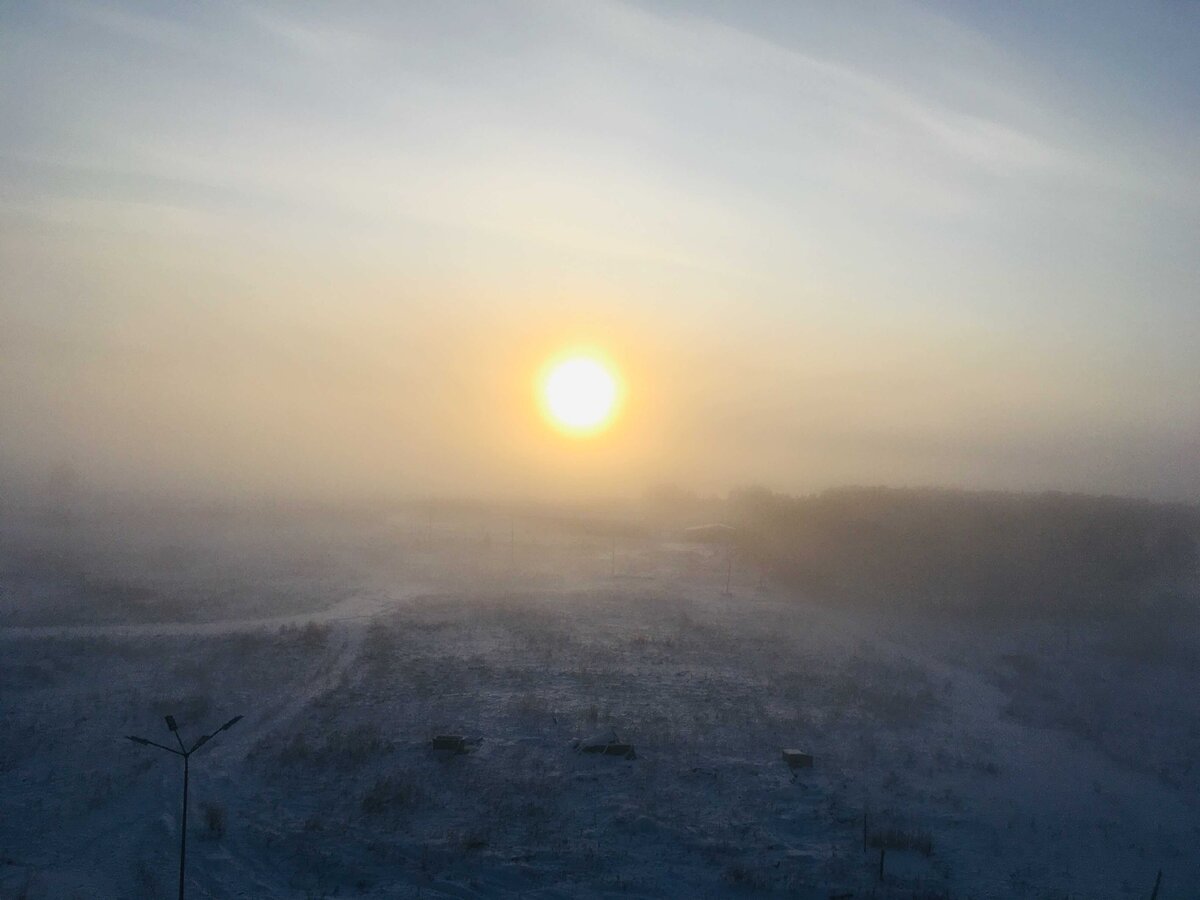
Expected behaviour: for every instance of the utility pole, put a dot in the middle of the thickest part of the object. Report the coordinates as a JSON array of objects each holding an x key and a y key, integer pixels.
[{"x": 185, "y": 753}]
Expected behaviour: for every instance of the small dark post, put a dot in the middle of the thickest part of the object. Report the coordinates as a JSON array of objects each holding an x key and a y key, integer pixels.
[
  {"x": 866, "y": 827},
  {"x": 1157, "y": 885},
  {"x": 882, "y": 854},
  {"x": 186, "y": 754},
  {"x": 174, "y": 728},
  {"x": 183, "y": 828}
]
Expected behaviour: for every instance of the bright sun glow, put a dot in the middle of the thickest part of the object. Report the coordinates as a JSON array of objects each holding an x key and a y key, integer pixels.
[{"x": 579, "y": 394}]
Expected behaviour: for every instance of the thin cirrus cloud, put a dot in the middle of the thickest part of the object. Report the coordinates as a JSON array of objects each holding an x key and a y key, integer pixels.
[{"x": 915, "y": 223}]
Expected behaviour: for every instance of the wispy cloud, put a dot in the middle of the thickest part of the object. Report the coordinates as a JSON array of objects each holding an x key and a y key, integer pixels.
[
  {"x": 699, "y": 43},
  {"x": 313, "y": 37}
]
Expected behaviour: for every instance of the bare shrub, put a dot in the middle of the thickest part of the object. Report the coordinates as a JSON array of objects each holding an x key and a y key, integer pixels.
[
  {"x": 214, "y": 820},
  {"x": 392, "y": 793},
  {"x": 314, "y": 636},
  {"x": 349, "y": 749},
  {"x": 741, "y": 875},
  {"x": 471, "y": 840},
  {"x": 147, "y": 881},
  {"x": 342, "y": 750},
  {"x": 27, "y": 886},
  {"x": 894, "y": 838}
]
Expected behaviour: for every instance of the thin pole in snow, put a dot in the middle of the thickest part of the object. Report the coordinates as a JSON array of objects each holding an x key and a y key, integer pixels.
[{"x": 183, "y": 828}]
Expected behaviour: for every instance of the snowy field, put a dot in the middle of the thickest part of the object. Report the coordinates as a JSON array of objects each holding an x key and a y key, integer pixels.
[{"x": 993, "y": 759}]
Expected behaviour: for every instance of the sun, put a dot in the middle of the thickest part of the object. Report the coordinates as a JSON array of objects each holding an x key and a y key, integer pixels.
[{"x": 580, "y": 394}]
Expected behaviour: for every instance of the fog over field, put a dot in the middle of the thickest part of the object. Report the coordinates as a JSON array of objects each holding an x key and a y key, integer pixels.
[
  {"x": 599, "y": 448},
  {"x": 990, "y": 738}
]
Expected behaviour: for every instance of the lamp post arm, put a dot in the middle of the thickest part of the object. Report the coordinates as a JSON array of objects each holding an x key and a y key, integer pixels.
[
  {"x": 205, "y": 738},
  {"x": 149, "y": 743},
  {"x": 200, "y": 742}
]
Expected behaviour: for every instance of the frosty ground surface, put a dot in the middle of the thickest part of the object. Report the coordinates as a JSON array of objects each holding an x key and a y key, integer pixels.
[{"x": 1037, "y": 760}]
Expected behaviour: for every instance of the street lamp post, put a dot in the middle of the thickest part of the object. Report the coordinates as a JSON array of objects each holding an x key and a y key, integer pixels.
[{"x": 185, "y": 753}]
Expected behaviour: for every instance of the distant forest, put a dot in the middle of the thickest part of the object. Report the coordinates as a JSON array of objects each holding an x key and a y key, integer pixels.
[{"x": 1060, "y": 553}]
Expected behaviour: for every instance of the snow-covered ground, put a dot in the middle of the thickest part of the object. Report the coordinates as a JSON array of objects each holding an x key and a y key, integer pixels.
[{"x": 1033, "y": 760}]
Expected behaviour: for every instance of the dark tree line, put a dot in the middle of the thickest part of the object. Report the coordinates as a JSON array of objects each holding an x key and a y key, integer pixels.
[{"x": 943, "y": 548}]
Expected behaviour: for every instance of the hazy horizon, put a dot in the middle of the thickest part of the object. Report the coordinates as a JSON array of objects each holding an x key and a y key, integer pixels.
[
  {"x": 595, "y": 448},
  {"x": 291, "y": 249}
]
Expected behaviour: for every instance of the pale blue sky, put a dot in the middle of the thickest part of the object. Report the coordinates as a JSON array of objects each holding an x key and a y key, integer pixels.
[{"x": 263, "y": 244}]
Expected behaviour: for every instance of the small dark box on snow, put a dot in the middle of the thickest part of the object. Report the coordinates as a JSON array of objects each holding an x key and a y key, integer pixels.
[
  {"x": 605, "y": 744},
  {"x": 797, "y": 759},
  {"x": 625, "y": 750}
]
